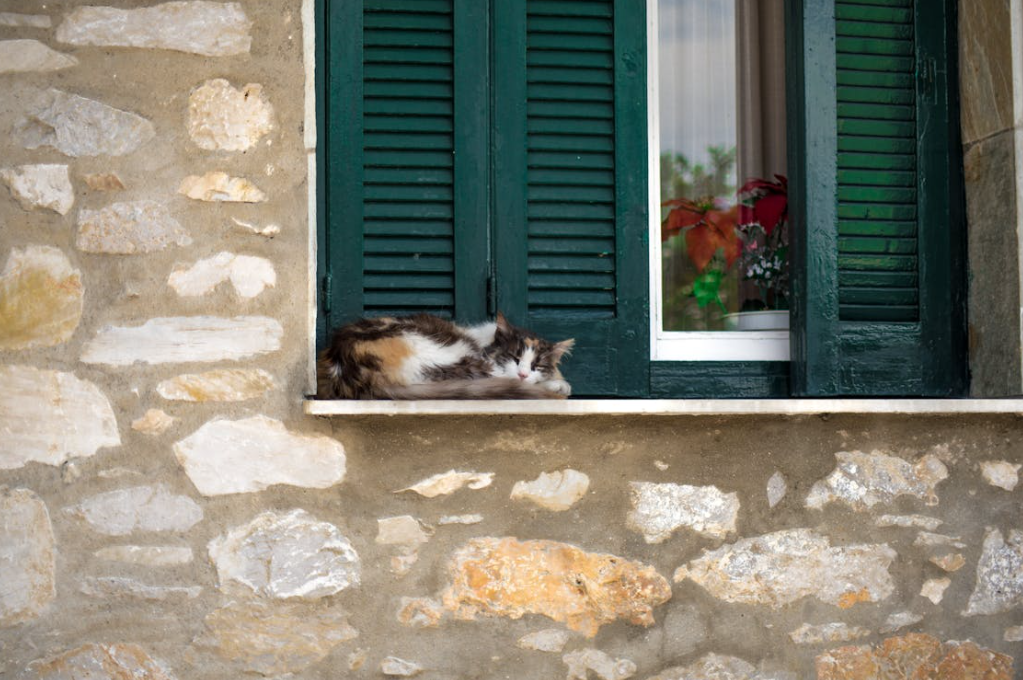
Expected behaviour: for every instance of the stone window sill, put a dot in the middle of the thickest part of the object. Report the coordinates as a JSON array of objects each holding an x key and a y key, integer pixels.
[{"x": 665, "y": 407}]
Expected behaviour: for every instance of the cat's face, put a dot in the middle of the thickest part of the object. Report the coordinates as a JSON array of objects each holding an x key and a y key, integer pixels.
[{"x": 518, "y": 353}]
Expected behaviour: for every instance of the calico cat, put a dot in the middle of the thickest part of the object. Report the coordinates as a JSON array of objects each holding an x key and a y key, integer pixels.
[{"x": 427, "y": 357}]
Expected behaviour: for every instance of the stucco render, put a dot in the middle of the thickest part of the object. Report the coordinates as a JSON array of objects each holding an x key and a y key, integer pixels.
[{"x": 167, "y": 510}]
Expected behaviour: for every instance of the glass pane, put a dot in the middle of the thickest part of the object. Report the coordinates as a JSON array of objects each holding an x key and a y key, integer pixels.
[{"x": 724, "y": 246}]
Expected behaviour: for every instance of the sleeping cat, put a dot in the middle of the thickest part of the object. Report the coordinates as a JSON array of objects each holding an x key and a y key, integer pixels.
[{"x": 427, "y": 357}]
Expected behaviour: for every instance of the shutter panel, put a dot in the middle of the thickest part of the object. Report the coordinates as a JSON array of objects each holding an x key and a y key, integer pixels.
[
  {"x": 570, "y": 195},
  {"x": 570, "y": 209},
  {"x": 402, "y": 220},
  {"x": 408, "y": 169},
  {"x": 878, "y": 299},
  {"x": 877, "y": 178}
]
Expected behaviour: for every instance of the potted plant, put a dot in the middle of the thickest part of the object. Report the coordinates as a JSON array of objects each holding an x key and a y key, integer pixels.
[
  {"x": 763, "y": 229},
  {"x": 709, "y": 226},
  {"x": 751, "y": 234}
]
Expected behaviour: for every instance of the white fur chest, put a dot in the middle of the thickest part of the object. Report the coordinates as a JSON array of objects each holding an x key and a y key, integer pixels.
[{"x": 426, "y": 354}]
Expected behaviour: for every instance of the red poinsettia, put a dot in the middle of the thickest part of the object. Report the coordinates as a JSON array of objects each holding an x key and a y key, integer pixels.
[
  {"x": 770, "y": 203},
  {"x": 708, "y": 226}
]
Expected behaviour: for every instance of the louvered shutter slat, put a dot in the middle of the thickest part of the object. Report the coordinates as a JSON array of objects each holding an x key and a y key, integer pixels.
[
  {"x": 408, "y": 143},
  {"x": 880, "y": 123},
  {"x": 569, "y": 111}
]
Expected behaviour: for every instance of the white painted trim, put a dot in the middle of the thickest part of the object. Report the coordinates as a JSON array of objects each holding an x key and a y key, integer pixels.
[
  {"x": 312, "y": 291},
  {"x": 653, "y": 174},
  {"x": 690, "y": 345},
  {"x": 667, "y": 407},
  {"x": 309, "y": 63},
  {"x": 722, "y": 346},
  {"x": 1016, "y": 50}
]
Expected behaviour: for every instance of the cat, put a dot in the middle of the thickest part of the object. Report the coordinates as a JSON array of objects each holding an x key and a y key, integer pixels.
[{"x": 427, "y": 357}]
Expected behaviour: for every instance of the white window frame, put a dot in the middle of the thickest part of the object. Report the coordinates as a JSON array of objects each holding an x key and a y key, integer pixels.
[{"x": 688, "y": 345}]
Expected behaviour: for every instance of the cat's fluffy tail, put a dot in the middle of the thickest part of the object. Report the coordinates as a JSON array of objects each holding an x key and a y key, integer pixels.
[{"x": 482, "y": 388}]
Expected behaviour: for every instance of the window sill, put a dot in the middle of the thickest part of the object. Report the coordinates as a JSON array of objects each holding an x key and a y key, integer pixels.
[{"x": 665, "y": 407}]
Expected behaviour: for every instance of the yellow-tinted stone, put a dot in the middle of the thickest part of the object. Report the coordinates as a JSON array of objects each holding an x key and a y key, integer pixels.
[
  {"x": 219, "y": 186},
  {"x": 420, "y": 612},
  {"x": 102, "y": 662},
  {"x": 40, "y": 299},
  {"x": 914, "y": 657},
  {"x": 236, "y": 384},
  {"x": 277, "y": 638},
  {"x": 223, "y": 117},
  {"x": 508, "y": 577},
  {"x": 153, "y": 422},
  {"x": 104, "y": 181}
]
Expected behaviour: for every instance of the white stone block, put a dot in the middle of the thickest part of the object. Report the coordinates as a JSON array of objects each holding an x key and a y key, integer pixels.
[
  {"x": 49, "y": 417},
  {"x": 242, "y": 456},
  {"x": 138, "y": 509},
  {"x": 557, "y": 491},
  {"x": 76, "y": 126},
  {"x": 23, "y": 56},
  {"x": 129, "y": 228},
  {"x": 285, "y": 555},
  {"x": 779, "y": 568},
  {"x": 212, "y": 29},
  {"x": 171, "y": 340},
  {"x": 40, "y": 186},
  {"x": 659, "y": 509},
  {"x": 248, "y": 275},
  {"x": 219, "y": 187},
  {"x": 27, "y": 556}
]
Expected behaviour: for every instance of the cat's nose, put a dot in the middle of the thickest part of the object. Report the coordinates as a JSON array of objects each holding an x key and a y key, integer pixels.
[{"x": 523, "y": 376}]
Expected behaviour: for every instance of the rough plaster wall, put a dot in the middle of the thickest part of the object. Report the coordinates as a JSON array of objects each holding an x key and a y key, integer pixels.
[
  {"x": 224, "y": 538},
  {"x": 992, "y": 193},
  {"x": 737, "y": 455}
]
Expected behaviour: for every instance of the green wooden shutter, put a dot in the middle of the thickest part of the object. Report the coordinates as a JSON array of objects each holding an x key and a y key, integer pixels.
[
  {"x": 492, "y": 156},
  {"x": 877, "y": 257},
  {"x": 570, "y": 221},
  {"x": 406, "y": 213}
]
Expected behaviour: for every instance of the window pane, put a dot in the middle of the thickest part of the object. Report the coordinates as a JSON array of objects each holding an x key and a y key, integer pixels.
[{"x": 719, "y": 100}]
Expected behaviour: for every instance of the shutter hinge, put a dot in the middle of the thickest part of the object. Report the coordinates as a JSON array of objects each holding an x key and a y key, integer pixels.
[
  {"x": 491, "y": 296},
  {"x": 325, "y": 287}
]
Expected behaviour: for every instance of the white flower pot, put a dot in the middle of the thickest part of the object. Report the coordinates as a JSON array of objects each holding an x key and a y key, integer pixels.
[{"x": 766, "y": 320}]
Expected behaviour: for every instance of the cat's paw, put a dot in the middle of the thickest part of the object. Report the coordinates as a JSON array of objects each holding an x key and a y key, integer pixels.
[{"x": 558, "y": 387}]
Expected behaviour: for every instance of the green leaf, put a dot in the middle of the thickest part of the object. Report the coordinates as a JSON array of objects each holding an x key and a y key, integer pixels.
[{"x": 707, "y": 288}]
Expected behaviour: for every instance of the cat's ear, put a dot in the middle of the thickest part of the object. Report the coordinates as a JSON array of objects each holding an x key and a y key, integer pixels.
[
  {"x": 502, "y": 323},
  {"x": 562, "y": 348}
]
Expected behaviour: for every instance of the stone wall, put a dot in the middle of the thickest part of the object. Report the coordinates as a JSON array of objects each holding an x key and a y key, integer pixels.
[
  {"x": 166, "y": 511},
  {"x": 994, "y": 189}
]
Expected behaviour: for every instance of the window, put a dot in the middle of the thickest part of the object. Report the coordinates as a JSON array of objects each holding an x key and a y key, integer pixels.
[
  {"x": 717, "y": 118},
  {"x": 494, "y": 155}
]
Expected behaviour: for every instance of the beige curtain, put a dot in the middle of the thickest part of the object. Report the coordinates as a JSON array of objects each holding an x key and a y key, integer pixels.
[{"x": 760, "y": 78}]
